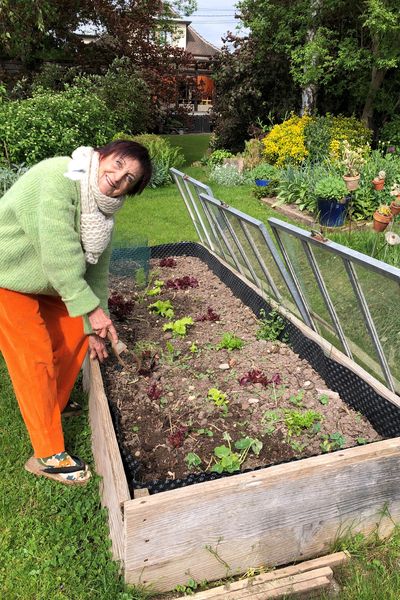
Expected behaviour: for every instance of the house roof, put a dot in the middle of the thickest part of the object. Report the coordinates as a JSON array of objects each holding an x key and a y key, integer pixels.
[{"x": 197, "y": 45}]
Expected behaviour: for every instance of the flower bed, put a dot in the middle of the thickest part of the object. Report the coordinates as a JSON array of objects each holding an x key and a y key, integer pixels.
[
  {"x": 271, "y": 516},
  {"x": 220, "y": 394}
]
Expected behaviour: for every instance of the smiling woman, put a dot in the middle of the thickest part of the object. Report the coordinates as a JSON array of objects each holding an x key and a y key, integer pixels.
[{"x": 56, "y": 225}]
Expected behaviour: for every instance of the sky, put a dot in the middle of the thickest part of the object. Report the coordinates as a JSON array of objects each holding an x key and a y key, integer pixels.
[{"x": 213, "y": 18}]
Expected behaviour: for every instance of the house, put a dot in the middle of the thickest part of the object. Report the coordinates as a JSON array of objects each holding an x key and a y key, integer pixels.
[{"x": 202, "y": 53}]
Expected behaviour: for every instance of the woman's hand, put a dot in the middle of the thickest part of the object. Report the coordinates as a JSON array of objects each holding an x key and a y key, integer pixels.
[
  {"x": 102, "y": 324},
  {"x": 97, "y": 347}
]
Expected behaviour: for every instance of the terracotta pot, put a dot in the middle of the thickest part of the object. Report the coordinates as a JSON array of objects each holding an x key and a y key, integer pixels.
[
  {"x": 395, "y": 208},
  {"x": 381, "y": 221},
  {"x": 378, "y": 184},
  {"x": 351, "y": 182}
]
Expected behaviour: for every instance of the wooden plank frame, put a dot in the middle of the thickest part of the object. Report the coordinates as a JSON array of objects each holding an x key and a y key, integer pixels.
[{"x": 274, "y": 516}]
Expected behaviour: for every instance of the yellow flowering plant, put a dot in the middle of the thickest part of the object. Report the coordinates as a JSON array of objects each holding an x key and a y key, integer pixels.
[{"x": 285, "y": 142}]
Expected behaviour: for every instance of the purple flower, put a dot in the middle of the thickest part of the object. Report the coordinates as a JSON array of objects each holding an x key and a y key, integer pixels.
[{"x": 391, "y": 149}]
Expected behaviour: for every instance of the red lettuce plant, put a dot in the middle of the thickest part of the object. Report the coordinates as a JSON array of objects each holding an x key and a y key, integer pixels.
[
  {"x": 168, "y": 262},
  {"x": 120, "y": 307},
  {"x": 210, "y": 315},
  {"x": 182, "y": 283},
  {"x": 154, "y": 392},
  {"x": 176, "y": 439},
  {"x": 257, "y": 376}
]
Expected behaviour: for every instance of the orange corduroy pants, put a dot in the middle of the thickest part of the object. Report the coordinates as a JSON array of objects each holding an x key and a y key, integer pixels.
[{"x": 44, "y": 349}]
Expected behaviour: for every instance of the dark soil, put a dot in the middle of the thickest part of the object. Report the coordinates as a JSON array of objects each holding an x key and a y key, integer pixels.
[{"x": 163, "y": 394}]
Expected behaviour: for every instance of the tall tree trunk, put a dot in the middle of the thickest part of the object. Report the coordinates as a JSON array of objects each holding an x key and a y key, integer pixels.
[
  {"x": 377, "y": 77},
  {"x": 309, "y": 91}
]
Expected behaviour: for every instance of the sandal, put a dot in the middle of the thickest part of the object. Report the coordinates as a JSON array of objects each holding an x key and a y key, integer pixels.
[
  {"x": 33, "y": 465},
  {"x": 72, "y": 409}
]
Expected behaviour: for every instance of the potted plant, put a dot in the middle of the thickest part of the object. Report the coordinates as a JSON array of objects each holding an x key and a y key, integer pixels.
[
  {"x": 382, "y": 217},
  {"x": 352, "y": 160},
  {"x": 263, "y": 173},
  {"x": 332, "y": 200},
  {"x": 379, "y": 181},
  {"x": 395, "y": 204}
]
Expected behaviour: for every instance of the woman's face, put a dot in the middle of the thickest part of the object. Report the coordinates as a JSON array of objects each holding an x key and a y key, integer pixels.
[{"x": 117, "y": 174}]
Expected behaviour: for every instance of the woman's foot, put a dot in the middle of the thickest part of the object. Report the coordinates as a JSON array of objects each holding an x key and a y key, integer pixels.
[{"x": 62, "y": 467}]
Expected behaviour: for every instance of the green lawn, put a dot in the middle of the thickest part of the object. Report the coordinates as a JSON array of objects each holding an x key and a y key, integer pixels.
[
  {"x": 194, "y": 145},
  {"x": 54, "y": 539}
]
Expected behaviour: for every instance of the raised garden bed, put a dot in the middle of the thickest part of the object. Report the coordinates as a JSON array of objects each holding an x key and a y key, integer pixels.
[{"x": 275, "y": 515}]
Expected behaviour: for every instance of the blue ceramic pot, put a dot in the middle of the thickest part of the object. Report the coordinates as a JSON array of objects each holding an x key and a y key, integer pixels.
[
  {"x": 262, "y": 182},
  {"x": 331, "y": 213}
]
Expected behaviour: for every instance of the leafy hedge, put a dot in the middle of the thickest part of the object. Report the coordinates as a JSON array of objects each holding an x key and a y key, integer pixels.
[{"x": 51, "y": 124}]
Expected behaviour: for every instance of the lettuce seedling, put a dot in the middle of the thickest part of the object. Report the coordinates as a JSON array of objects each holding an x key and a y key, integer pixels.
[
  {"x": 179, "y": 327},
  {"x": 163, "y": 308}
]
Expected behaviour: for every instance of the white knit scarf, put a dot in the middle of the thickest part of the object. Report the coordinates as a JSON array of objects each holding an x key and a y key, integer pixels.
[{"x": 97, "y": 210}]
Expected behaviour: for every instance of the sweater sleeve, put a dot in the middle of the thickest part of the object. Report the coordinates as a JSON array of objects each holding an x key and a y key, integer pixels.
[
  {"x": 97, "y": 278},
  {"x": 56, "y": 239}
]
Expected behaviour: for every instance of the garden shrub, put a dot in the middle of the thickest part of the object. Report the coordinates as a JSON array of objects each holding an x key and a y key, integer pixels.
[
  {"x": 390, "y": 132},
  {"x": 226, "y": 175},
  {"x": 313, "y": 138},
  {"x": 218, "y": 156},
  {"x": 285, "y": 143},
  {"x": 125, "y": 93},
  {"x": 318, "y": 135},
  {"x": 9, "y": 175},
  {"x": 253, "y": 153},
  {"x": 163, "y": 156},
  {"x": 50, "y": 124},
  {"x": 350, "y": 129}
]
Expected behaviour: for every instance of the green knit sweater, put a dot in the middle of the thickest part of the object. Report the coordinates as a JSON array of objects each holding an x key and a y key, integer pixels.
[{"x": 40, "y": 246}]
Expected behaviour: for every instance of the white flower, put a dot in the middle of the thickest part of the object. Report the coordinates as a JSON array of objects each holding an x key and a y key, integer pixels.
[{"x": 392, "y": 238}]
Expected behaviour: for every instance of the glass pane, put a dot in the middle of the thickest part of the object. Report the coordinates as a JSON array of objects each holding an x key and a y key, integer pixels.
[
  {"x": 382, "y": 296},
  {"x": 270, "y": 264},
  {"x": 202, "y": 219},
  {"x": 225, "y": 242},
  {"x": 311, "y": 292},
  {"x": 251, "y": 266},
  {"x": 348, "y": 309}
]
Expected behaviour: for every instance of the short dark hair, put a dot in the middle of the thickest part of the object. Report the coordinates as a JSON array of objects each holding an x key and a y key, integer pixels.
[{"x": 131, "y": 150}]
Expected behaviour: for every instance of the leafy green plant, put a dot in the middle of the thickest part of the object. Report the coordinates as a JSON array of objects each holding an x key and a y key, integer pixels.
[
  {"x": 53, "y": 124},
  {"x": 219, "y": 399},
  {"x": 227, "y": 175},
  {"x": 269, "y": 420},
  {"x": 297, "y": 399},
  {"x": 179, "y": 327},
  {"x": 156, "y": 289},
  {"x": 231, "y": 461},
  {"x": 192, "y": 460},
  {"x": 271, "y": 326},
  {"x": 334, "y": 441},
  {"x": 205, "y": 431},
  {"x": 218, "y": 156},
  {"x": 230, "y": 342},
  {"x": 331, "y": 187},
  {"x": 9, "y": 175},
  {"x": 297, "y": 421},
  {"x": 163, "y": 308},
  {"x": 324, "y": 399},
  {"x": 188, "y": 589},
  {"x": 263, "y": 171}
]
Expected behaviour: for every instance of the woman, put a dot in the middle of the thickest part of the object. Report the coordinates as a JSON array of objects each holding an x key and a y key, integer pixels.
[{"x": 56, "y": 224}]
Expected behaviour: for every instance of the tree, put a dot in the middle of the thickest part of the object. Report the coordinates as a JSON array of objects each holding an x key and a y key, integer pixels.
[
  {"x": 327, "y": 42},
  {"x": 32, "y": 30}
]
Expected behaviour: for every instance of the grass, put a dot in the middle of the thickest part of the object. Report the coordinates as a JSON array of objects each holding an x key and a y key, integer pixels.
[
  {"x": 54, "y": 539},
  {"x": 194, "y": 145}
]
